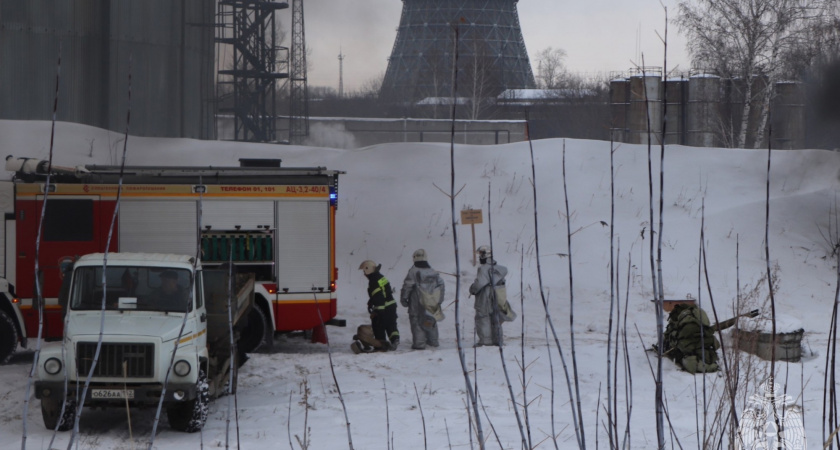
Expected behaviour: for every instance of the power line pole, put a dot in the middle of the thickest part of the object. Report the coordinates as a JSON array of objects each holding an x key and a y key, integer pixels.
[{"x": 340, "y": 74}]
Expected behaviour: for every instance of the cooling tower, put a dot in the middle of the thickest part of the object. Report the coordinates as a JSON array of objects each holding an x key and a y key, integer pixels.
[{"x": 492, "y": 55}]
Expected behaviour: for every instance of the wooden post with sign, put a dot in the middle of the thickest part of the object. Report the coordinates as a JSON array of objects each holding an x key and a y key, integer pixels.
[{"x": 471, "y": 217}]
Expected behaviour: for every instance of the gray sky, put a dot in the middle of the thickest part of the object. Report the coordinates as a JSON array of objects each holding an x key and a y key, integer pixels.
[{"x": 597, "y": 35}]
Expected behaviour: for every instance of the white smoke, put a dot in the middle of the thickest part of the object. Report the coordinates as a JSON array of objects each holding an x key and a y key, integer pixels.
[{"x": 331, "y": 135}]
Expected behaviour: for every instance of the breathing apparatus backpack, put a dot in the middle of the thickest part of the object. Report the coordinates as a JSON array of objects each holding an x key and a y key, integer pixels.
[{"x": 690, "y": 340}]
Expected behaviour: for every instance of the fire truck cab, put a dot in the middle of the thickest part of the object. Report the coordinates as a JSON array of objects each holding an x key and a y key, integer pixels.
[{"x": 275, "y": 222}]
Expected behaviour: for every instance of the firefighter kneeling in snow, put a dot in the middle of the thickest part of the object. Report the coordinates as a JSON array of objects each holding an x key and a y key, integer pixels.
[
  {"x": 690, "y": 340},
  {"x": 383, "y": 313}
]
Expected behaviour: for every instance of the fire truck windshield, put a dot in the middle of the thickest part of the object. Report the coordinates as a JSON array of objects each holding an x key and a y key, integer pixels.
[{"x": 132, "y": 288}]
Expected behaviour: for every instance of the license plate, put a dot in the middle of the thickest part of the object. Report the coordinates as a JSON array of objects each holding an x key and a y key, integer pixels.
[{"x": 112, "y": 393}]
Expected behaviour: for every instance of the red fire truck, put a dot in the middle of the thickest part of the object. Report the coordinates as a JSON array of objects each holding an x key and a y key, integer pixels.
[{"x": 275, "y": 222}]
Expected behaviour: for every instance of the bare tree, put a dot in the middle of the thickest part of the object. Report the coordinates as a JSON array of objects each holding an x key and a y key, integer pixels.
[
  {"x": 481, "y": 82},
  {"x": 371, "y": 87},
  {"x": 742, "y": 40},
  {"x": 817, "y": 46},
  {"x": 438, "y": 76},
  {"x": 550, "y": 67}
]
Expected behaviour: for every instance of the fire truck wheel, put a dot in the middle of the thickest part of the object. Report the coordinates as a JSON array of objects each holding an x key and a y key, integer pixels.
[
  {"x": 190, "y": 416},
  {"x": 8, "y": 337},
  {"x": 257, "y": 331},
  {"x": 51, "y": 412}
]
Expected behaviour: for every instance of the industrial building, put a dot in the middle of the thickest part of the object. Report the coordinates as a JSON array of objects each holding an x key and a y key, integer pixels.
[{"x": 167, "y": 47}]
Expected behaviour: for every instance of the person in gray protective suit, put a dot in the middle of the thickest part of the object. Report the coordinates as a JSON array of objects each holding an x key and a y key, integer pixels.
[
  {"x": 487, "y": 314},
  {"x": 422, "y": 293}
]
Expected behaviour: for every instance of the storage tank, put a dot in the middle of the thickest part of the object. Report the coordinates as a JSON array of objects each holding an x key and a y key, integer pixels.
[
  {"x": 789, "y": 116},
  {"x": 645, "y": 104},
  {"x": 30, "y": 35},
  {"x": 171, "y": 45},
  {"x": 619, "y": 102},
  {"x": 704, "y": 117},
  {"x": 676, "y": 93}
]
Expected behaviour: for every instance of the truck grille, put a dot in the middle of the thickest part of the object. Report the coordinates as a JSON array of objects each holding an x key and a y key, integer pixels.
[{"x": 139, "y": 359}]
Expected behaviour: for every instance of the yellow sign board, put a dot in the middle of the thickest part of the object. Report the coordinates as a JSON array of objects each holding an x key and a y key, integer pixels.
[{"x": 471, "y": 217}]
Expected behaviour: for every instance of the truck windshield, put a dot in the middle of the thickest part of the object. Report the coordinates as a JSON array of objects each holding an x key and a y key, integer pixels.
[{"x": 132, "y": 288}]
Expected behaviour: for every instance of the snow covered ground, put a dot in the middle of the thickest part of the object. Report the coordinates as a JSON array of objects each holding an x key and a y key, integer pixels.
[{"x": 390, "y": 203}]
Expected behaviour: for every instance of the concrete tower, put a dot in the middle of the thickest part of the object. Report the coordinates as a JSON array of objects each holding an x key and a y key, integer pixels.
[{"x": 492, "y": 55}]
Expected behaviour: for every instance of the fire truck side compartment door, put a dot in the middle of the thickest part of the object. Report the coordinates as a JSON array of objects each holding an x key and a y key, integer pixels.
[
  {"x": 158, "y": 226},
  {"x": 10, "y": 249},
  {"x": 225, "y": 215},
  {"x": 7, "y": 206},
  {"x": 303, "y": 245}
]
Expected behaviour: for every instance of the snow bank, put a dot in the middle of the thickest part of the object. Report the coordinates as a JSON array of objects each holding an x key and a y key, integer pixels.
[{"x": 391, "y": 203}]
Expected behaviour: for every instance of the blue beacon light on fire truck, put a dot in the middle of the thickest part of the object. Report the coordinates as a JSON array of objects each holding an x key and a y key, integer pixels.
[{"x": 334, "y": 192}]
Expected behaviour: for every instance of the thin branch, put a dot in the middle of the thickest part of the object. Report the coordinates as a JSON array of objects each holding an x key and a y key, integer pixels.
[
  {"x": 461, "y": 356},
  {"x": 447, "y": 193},
  {"x": 575, "y": 420},
  {"x": 39, "y": 298},
  {"x": 81, "y": 400},
  {"x": 522, "y": 344},
  {"x": 335, "y": 378},
  {"x": 495, "y": 318},
  {"x": 422, "y": 417},
  {"x": 572, "y": 303}
]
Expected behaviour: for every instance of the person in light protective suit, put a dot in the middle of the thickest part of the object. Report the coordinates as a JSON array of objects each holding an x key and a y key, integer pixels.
[
  {"x": 381, "y": 305},
  {"x": 422, "y": 293},
  {"x": 488, "y": 285}
]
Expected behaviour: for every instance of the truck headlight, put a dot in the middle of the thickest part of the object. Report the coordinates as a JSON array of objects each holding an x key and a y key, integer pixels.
[
  {"x": 52, "y": 366},
  {"x": 182, "y": 368}
]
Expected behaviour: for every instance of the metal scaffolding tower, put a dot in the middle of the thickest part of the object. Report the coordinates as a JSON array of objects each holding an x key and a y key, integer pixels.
[
  {"x": 248, "y": 27},
  {"x": 298, "y": 94},
  {"x": 492, "y": 50}
]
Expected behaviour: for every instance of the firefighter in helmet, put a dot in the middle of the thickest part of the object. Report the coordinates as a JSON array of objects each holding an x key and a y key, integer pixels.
[
  {"x": 422, "y": 293},
  {"x": 488, "y": 289},
  {"x": 382, "y": 306}
]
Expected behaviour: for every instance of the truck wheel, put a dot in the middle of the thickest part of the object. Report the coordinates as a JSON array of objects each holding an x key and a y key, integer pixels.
[
  {"x": 51, "y": 410},
  {"x": 190, "y": 416},
  {"x": 256, "y": 333},
  {"x": 8, "y": 337}
]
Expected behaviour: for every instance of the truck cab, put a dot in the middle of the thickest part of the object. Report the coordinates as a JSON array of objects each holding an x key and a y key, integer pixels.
[{"x": 143, "y": 326}]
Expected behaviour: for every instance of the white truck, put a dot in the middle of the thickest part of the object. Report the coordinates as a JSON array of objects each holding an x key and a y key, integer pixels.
[{"x": 166, "y": 324}]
